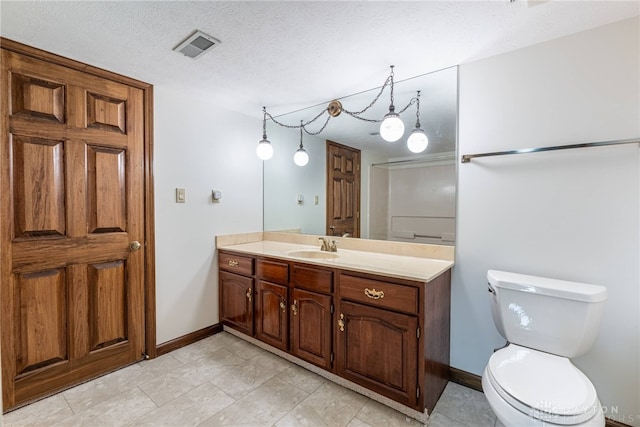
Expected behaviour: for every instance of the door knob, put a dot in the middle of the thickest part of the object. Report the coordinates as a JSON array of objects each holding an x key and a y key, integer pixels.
[{"x": 135, "y": 245}]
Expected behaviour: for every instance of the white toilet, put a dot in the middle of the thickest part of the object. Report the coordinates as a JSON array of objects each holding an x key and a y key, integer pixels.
[{"x": 531, "y": 381}]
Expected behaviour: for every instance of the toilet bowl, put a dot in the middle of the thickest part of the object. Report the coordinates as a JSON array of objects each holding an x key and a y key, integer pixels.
[
  {"x": 526, "y": 387},
  {"x": 531, "y": 381}
]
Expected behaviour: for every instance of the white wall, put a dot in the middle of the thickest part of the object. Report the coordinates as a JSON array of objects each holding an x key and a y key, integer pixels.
[
  {"x": 571, "y": 214},
  {"x": 200, "y": 148},
  {"x": 283, "y": 181}
]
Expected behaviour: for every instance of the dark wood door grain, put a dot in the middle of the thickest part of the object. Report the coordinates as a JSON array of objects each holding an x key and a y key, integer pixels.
[
  {"x": 272, "y": 319},
  {"x": 343, "y": 190},
  {"x": 311, "y": 327},
  {"x": 236, "y": 301},
  {"x": 72, "y": 176}
]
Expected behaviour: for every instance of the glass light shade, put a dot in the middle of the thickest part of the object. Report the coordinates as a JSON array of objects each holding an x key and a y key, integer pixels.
[
  {"x": 391, "y": 128},
  {"x": 301, "y": 158},
  {"x": 264, "y": 149},
  {"x": 417, "y": 141}
]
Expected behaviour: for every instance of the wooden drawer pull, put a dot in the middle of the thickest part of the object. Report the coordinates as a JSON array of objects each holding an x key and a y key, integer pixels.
[
  {"x": 233, "y": 263},
  {"x": 373, "y": 294}
]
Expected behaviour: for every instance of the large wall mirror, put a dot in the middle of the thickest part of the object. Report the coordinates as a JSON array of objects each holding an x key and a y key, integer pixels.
[{"x": 403, "y": 196}]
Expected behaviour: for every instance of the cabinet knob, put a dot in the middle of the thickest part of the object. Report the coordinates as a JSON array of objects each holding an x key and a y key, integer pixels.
[
  {"x": 135, "y": 245},
  {"x": 283, "y": 306},
  {"x": 294, "y": 307},
  {"x": 233, "y": 263},
  {"x": 341, "y": 322},
  {"x": 249, "y": 294}
]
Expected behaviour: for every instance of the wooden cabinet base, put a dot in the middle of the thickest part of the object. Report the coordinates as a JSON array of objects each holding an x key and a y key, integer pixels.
[{"x": 383, "y": 336}]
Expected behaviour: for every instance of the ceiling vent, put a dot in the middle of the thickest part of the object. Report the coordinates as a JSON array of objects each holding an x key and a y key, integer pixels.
[{"x": 197, "y": 44}]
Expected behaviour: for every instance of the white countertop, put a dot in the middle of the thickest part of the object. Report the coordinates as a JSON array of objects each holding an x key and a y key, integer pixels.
[{"x": 399, "y": 266}]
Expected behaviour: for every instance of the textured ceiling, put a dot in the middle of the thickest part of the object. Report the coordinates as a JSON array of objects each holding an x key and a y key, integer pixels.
[{"x": 287, "y": 55}]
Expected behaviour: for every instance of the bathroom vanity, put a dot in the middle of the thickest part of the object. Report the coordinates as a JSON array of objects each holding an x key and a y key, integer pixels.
[{"x": 377, "y": 320}]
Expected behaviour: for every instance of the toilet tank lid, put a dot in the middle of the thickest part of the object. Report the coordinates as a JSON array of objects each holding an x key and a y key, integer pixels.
[{"x": 546, "y": 286}]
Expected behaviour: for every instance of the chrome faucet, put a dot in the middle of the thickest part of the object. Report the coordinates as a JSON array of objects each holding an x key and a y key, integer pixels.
[
  {"x": 328, "y": 247},
  {"x": 325, "y": 245}
]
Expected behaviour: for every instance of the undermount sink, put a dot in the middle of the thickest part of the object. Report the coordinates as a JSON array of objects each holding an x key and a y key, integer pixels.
[{"x": 310, "y": 253}]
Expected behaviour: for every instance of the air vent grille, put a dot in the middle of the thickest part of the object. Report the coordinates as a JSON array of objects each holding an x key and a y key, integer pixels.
[{"x": 197, "y": 44}]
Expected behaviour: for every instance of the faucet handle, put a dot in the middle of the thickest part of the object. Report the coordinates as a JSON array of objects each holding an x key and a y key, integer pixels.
[{"x": 333, "y": 247}]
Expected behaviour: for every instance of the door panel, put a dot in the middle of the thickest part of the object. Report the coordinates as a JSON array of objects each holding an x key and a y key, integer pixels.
[
  {"x": 106, "y": 171},
  {"x": 33, "y": 97},
  {"x": 42, "y": 319},
  {"x": 38, "y": 187},
  {"x": 107, "y": 304},
  {"x": 106, "y": 113},
  {"x": 72, "y": 165}
]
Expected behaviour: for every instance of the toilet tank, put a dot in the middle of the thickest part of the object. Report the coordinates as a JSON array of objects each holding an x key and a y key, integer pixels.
[{"x": 555, "y": 316}]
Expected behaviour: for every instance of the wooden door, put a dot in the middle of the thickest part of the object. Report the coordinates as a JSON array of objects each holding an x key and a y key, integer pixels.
[
  {"x": 71, "y": 226},
  {"x": 343, "y": 190},
  {"x": 379, "y": 349},
  {"x": 272, "y": 324},
  {"x": 236, "y": 301},
  {"x": 311, "y": 327}
]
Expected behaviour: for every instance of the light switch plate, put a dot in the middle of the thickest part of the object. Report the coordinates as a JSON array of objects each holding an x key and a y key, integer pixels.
[{"x": 180, "y": 195}]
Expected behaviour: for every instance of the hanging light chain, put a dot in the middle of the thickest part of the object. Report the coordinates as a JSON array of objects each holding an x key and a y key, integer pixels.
[
  {"x": 391, "y": 77},
  {"x": 301, "y": 129},
  {"x": 264, "y": 123},
  {"x": 354, "y": 114},
  {"x": 303, "y": 125},
  {"x": 417, "y": 98}
]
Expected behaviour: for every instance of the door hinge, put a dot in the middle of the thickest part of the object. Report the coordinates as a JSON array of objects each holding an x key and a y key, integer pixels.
[
  {"x": 331, "y": 357},
  {"x": 332, "y": 309},
  {"x": 417, "y": 392},
  {"x": 418, "y": 333}
]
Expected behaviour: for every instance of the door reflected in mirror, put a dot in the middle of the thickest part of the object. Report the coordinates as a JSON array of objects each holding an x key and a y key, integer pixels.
[{"x": 402, "y": 196}]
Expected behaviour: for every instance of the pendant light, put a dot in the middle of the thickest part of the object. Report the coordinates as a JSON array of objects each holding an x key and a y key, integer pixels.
[
  {"x": 301, "y": 157},
  {"x": 391, "y": 128},
  {"x": 264, "y": 149},
  {"x": 418, "y": 140}
]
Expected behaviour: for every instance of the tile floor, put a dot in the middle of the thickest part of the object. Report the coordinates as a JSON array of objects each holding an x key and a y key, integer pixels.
[{"x": 225, "y": 381}]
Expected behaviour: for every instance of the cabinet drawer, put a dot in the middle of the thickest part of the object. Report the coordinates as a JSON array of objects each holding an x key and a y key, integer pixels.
[
  {"x": 379, "y": 294},
  {"x": 235, "y": 263},
  {"x": 273, "y": 271},
  {"x": 313, "y": 279}
]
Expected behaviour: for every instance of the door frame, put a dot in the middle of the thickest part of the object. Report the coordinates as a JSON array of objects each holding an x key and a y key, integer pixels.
[{"x": 149, "y": 211}]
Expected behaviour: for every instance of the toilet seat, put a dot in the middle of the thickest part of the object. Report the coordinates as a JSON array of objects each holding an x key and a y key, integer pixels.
[{"x": 543, "y": 386}]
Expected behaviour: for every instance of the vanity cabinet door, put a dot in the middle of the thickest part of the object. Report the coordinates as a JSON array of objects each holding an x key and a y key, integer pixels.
[
  {"x": 272, "y": 326},
  {"x": 236, "y": 301},
  {"x": 311, "y": 327},
  {"x": 378, "y": 349}
]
